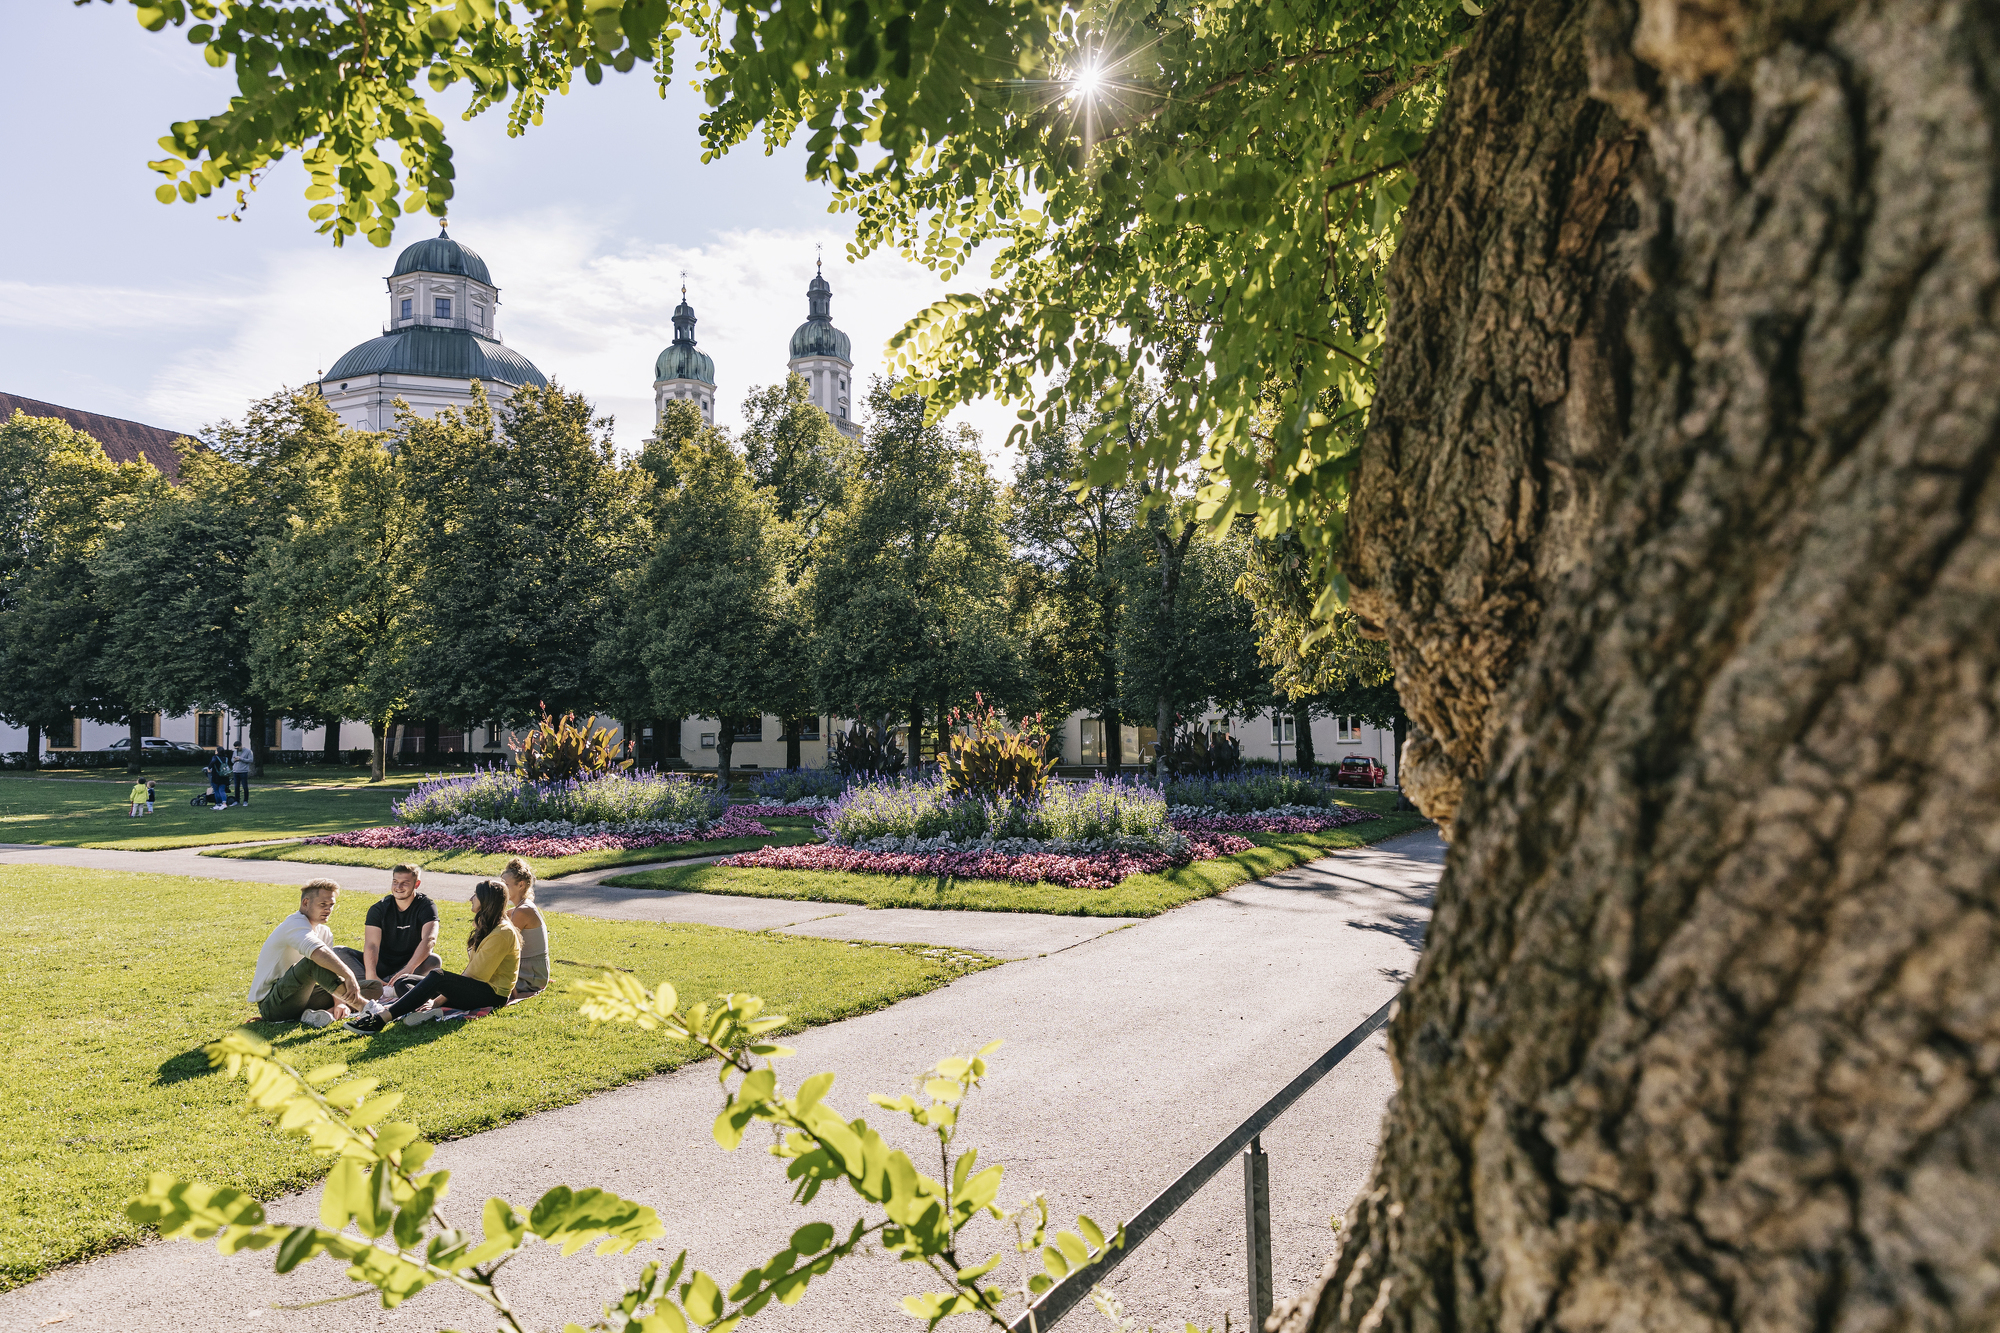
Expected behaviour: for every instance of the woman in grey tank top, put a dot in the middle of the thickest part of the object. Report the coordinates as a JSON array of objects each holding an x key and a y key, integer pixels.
[{"x": 519, "y": 878}]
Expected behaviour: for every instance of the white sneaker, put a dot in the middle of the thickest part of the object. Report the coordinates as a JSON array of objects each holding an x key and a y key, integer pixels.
[
  {"x": 316, "y": 1018},
  {"x": 416, "y": 1016}
]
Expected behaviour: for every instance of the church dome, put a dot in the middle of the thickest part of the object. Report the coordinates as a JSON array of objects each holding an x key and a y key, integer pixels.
[
  {"x": 456, "y": 354},
  {"x": 441, "y": 254},
  {"x": 680, "y": 361},
  {"x": 817, "y": 336}
]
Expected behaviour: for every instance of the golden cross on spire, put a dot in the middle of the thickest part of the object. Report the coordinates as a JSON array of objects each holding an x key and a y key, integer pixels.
[
  {"x": 818, "y": 257},
  {"x": 684, "y": 286}
]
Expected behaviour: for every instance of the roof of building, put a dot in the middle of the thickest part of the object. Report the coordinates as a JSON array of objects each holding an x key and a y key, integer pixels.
[
  {"x": 683, "y": 361},
  {"x": 441, "y": 254},
  {"x": 453, "y": 354},
  {"x": 124, "y": 441},
  {"x": 817, "y": 336}
]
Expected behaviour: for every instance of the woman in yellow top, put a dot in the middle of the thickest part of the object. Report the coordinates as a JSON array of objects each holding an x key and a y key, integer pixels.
[{"x": 492, "y": 965}]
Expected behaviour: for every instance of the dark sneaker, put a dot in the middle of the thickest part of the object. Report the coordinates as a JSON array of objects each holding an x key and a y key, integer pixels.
[{"x": 367, "y": 1023}]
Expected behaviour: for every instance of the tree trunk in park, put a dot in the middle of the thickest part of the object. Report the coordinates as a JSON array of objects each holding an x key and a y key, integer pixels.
[
  {"x": 1112, "y": 741},
  {"x": 1679, "y": 509},
  {"x": 135, "y": 727},
  {"x": 34, "y": 746},
  {"x": 260, "y": 721},
  {"x": 378, "y": 761},
  {"x": 1402, "y": 736},
  {"x": 430, "y": 740},
  {"x": 916, "y": 732},
  {"x": 725, "y": 746},
  {"x": 667, "y": 738},
  {"x": 1302, "y": 724},
  {"x": 1163, "y": 736},
  {"x": 792, "y": 730},
  {"x": 332, "y": 745}
]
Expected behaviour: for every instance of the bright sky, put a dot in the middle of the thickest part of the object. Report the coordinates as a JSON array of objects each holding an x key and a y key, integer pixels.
[{"x": 112, "y": 302}]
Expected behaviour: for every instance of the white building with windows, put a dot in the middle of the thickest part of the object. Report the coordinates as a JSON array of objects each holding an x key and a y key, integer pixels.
[{"x": 442, "y": 334}]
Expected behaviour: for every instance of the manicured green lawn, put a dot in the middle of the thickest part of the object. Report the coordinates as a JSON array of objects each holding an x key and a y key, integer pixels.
[
  {"x": 476, "y": 863},
  {"x": 112, "y": 982},
  {"x": 1139, "y": 895},
  {"x": 80, "y": 812}
]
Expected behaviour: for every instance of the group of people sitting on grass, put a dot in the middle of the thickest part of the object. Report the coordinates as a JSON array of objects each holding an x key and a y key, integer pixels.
[{"x": 303, "y": 976}]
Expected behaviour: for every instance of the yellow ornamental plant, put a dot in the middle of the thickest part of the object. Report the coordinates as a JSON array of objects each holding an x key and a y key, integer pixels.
[
  {"x": 402, "y": 1241},
  {"x": 988, "y": 761},
  {"x": 558, "y": 750}
]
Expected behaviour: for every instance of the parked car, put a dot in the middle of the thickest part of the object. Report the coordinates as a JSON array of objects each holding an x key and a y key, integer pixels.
[
  {"x": 152, "y": 747},
  {"x": 1359, "y": 770}
]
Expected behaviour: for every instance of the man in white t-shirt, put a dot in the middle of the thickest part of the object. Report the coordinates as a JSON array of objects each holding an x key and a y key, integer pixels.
[{"x": 299, "y": 976}]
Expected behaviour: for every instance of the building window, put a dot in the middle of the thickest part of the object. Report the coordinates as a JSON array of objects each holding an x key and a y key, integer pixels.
[
  {"x": 750, "y": 729},
  {"x": 441, "y": 308},
  {"x": 62, "y": 734},
  {"x": 149, "y": 725},
  {"x": 708, "y": 740},
  {"x": 1284, "y": 729},
  {"x": 478, "y": 317},
  {"x": 207, "y": 727},
  {"x": 407, "y": 303},
  {"x": 492, "y": 735},
  {"x": 809, "y": 729},
  {"x": 273, "y": 733},
  {"x": 1347, "y": 728}
]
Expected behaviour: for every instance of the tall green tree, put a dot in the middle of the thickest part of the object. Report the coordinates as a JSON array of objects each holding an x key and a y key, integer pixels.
[
  {"x": 523, "y": 522},
  {"x": 60, "y": 498},
  {"x": 176, "y": 573},
  {"x": 796, "y": 454},
  {"x": 333, "y": 597},
  {"x": 1075, "y": 540},
  {"x": 715, "y": 597},
  {"x": 909, "y": 593}
]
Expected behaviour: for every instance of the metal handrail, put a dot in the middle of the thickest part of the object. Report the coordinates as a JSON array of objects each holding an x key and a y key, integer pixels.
[{"x": 1061, "y": 1298}]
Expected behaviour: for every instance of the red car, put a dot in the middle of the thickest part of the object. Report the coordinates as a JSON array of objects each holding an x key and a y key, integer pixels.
[{"x": 1358, "y": 770}]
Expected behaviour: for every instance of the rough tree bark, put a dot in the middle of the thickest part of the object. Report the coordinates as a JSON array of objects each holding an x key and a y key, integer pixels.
[{"x": 1679, "y": 512}]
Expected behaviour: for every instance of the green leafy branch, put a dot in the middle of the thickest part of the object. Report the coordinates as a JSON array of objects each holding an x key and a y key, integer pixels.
[{"x": 381, "y": 1211}]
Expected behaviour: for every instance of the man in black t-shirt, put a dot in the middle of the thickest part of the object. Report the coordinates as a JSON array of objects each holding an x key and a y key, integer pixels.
[{"x": 402, "y": 928}]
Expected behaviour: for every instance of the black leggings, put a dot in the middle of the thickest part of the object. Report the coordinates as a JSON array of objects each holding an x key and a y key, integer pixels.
[{"x": 458, "y": 992}]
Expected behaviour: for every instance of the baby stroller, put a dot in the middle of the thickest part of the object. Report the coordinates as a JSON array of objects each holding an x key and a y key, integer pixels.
[{"x": 206, "y": 798}]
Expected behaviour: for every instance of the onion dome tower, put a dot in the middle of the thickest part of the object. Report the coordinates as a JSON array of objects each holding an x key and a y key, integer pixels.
[
  {"x": 820, "y": 353},
  {"x": 440, "y": 337},
  {"x": 681, "y": 371}
]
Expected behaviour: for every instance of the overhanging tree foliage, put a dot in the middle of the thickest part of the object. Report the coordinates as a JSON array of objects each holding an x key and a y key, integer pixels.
[{"x": 1675, "y": 504}]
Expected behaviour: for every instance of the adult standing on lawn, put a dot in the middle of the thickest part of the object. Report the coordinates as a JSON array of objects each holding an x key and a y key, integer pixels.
[
  {"x": 245, "y": 760},
  {"x": 398, "y": 940},
  {"x": 218, "y": 781},
  {"x": 299, "y": 976}
]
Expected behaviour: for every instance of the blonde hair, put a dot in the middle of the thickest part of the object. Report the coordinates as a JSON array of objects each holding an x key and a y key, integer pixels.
[
  {"x": 317, "y": 886},
  {"x": 521, "y": 872}
]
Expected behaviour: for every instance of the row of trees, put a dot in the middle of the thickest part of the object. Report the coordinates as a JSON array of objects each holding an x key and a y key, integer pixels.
[{"x": 483, "y": 562}]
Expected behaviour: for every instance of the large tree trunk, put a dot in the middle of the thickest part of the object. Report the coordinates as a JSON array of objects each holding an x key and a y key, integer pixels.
[
  {"x": 378, "y": 763},
  {"x": 332, "y": 745},
  {"x": 136, "y": 730},
  {"x": 260, "y": 721},
  {"x": 1679, "y": 510},
  {"x": 34, "y": 751}
]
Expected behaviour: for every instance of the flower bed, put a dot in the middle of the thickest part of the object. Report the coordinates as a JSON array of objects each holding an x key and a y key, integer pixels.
[
  {"x": 1249, "y": 792},
  {"x": 810, "y": 805},
  {"x": 617, "y": 798},
  {"x": 790, "y": 786},
  {"x": 1089, "y": 870},
  {"x": 546, "y": 838},
  {"x": 1124, "y": 816},
  {"x": 1284, "y": 820}
]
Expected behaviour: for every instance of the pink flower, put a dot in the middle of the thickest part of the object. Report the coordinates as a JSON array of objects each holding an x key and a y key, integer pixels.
[{"x": 1275, "y": 823}]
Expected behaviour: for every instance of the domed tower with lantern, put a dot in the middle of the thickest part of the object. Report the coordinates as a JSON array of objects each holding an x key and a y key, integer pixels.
[
  {"x": 681, "y": 371},
  {"x": 820, "y": 354},
  {"x": 440, "y": 336}
]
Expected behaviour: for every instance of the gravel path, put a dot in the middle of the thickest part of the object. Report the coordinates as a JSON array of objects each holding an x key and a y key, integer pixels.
[{"x": 1127, "y": 1057}]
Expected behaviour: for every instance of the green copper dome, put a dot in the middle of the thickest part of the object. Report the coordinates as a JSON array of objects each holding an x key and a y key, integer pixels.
[
  {"x": 441, "y": 254},
  {"x": 453, "y": 354},
  {"x": 681, "y": 361},
  {"x": 817, "y": 336}
]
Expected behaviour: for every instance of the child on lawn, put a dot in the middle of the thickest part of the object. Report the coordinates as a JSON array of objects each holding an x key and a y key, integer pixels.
[
  {"x": 492, "y": 966},
  {"x": 138, "y": 795},
  {"x": 149, "y": 796}
]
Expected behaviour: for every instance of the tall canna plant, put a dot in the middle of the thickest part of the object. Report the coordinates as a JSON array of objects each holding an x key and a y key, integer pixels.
[
  {"x": 558, "y": 749},
  {"x": 988, "y": 761}
]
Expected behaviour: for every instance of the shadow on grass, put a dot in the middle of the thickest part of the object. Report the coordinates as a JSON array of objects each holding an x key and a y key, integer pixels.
[{"x": 188, "y": 1064}]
